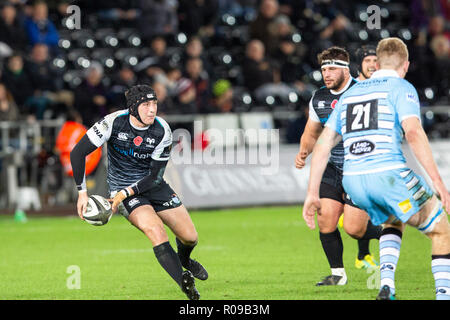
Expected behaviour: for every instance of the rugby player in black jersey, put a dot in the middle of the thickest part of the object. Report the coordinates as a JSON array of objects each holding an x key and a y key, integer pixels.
[
  {"x": 367, "y": 61},
  {"x": 139, "y": 145},
  {"x": 334, "y": 64}
]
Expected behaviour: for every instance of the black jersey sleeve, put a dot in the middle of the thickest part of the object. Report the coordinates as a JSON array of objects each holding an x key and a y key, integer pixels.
[
  {"x": 78, "y": 160},
  {"x": 160, "y": 157},
  {"x": 155, "y": 177}
]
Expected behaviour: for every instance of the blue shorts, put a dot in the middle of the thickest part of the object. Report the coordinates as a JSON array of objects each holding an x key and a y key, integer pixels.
[{"x": 398, "y": 192}]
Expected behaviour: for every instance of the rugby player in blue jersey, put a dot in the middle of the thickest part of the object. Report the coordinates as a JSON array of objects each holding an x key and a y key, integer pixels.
[
  {"x": 334, "y": 63},
  {"x": 372, "y": 118}
]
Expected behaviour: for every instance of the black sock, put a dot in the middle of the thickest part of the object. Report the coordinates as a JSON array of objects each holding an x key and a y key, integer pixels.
[
  {"x": 184, "y": 252},
  {"x": 169, "y": 260},
  {"x": 363, "y": 248},
  {"x": 372, "y": 232},
  {"x": 333, "y": 248},
  {"x": 440, "y": 256}
]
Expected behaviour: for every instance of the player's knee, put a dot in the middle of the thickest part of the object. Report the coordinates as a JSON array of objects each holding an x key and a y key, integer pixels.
[
  {"x": 440, "y": 236},
  {"x": 156, "y": 233},
  {"x": 190, "y": 237},
  {"x": 327, "y": 228},
  {"x": 355, "y": 231},
  {"x": 328, "y": 223}
]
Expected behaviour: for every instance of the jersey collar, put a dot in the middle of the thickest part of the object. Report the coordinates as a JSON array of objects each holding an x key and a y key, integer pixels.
[
  {"x": 343, "y": 89},
  {"x": 137, "y": 128},
  {"x": 385, "y": 73}
]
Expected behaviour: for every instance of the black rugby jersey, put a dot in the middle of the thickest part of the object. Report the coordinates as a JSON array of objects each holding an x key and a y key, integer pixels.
[
  {"x": 321, "y": 106},
  {"x": 130, "y": 149}
]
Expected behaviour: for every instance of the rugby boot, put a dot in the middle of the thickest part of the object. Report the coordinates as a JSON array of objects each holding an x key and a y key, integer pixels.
[
  {"x": 197, "y": 269},
  {"x": 368, "y": 262},
  {"x": 385, "y": 294},
  {"x": 332, "y": 280},
  {"x": 188, "y": 286}
]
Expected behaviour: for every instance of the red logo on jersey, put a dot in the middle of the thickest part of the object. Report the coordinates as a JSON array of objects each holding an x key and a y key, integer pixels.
[
  {"x": 333, "y": 104},
  {"x": 138, "y": 140}
]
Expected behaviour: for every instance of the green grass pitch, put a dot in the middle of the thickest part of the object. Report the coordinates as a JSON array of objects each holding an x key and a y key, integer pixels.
[{"x": 254, "y": 253}]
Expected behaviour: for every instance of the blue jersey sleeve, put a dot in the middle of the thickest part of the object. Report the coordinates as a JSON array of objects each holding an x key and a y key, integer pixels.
[
  {"x": 406, "y": 101},
  {"x": 334, "y": 121}
]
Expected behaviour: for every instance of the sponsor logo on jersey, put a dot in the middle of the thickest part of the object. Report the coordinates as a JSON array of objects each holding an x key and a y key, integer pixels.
[
  {"x": 138, "y": 140},
  {"x": 122, "y": 136},
  {"x": 150, "y": 142},
  {"x": 321, "y": 104},
  {"x": 97, "y": 132},
  {"x": 131, "y": 152},
  {"x": 361, "y": 147},
  {"x": 333, "y": 103},
  {"x": 405, "y": 206},
  {"x": 412, "y": 97}
]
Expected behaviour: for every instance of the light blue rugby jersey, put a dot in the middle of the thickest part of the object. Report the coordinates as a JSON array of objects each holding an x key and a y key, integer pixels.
[{"x": 369, "y": 116}]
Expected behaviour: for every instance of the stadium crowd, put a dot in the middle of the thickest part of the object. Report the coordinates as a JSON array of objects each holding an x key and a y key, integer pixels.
[{"x": 200, "y": 56}]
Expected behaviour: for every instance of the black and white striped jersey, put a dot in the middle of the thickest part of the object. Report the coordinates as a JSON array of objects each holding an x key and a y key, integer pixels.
[
  {"x": 321, "y": 106},
  {"x": 130, "y": 149}
]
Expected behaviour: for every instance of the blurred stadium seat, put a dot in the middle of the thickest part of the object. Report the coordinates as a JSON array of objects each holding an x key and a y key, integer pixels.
[{"x": 121, "y": 42}]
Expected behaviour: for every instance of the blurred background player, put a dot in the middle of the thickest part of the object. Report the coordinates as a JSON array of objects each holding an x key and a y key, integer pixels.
[
  {"x": 371, "y": 120},
  {"x": 335, "y": 70},
  {"x": 367, "y": 61},
  {"x": 139, "y": 145}
]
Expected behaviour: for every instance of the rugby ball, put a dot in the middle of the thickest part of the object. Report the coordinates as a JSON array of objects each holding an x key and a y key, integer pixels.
[{"x": 98, "y": 211}]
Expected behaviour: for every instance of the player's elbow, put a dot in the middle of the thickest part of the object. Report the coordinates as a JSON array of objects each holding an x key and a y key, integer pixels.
[
  {"x": 75, "y": 154},
  {"x": 412, "y": 135}
]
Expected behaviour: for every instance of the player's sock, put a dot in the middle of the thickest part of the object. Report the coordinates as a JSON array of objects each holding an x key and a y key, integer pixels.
[
  {"x": 168, "y": 259},
  {"x": 390, "y": 242},
  {"x": 440, "y": 266},
  {"x": 372, "y": 232},
  {"x": 341, "y": 273},
  {"x": 363, "y": 248},
  {"x": 184, "y": 251},
  {"x": 333, "y": 248}
]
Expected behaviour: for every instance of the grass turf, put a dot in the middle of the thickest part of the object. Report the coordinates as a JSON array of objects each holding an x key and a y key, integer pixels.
[{"x": 253, "y": 254}]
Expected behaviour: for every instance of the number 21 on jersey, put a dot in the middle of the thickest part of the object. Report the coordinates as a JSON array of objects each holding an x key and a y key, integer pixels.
[{"x": 362, "y": 116}]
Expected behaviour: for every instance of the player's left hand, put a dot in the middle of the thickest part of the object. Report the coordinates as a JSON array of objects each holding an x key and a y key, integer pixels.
[
  {"x": 117, "y": 200},
  {"x": 312, "y": 204}
]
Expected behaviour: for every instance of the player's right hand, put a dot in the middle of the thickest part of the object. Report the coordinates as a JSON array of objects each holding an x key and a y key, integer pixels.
[
  {"x": 300, "y": 159},
  {"x": 443, "y": 195},
  {"x": 117, "y": 200},
  {"x": 311, "y": 206},
  {"x": 82, "y": 203}
]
